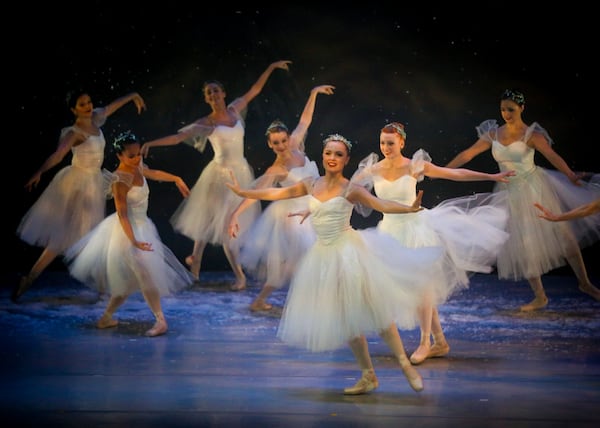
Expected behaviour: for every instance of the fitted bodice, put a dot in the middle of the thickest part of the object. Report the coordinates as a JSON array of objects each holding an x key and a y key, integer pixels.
[
  {"x": 403, "y": 189},
  {"x": 89, "y": 155},
  {"x": 517, "y": 156},
  {"x": 330, "y": 218},
  {"x": 228, "y": 142}
]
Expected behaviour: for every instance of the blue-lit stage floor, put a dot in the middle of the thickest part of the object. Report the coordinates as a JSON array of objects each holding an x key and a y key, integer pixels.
[{"x": 222, "y": 365}]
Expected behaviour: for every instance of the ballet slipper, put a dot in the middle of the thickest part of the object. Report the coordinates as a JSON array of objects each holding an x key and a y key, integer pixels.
[
  {"x": 238, "y": 285},
  {"x": 367, "y": 382},
  {"x": 438, "y": 350},
  {"x": 535, "y": 304},
  {"x": 19, "y": 289},
  {"x": 590, "y": 290},
  {"x": 414, "y": 378},
  {"x": 260, "y": 306},
  {"x": 420, "y": 354},
  {"x": 106, "y": 321},
  {"x": 159, "y": 328}
]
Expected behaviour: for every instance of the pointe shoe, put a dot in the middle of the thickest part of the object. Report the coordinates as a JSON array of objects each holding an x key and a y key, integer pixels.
[
  {"x": 368, "y": 382},
  {"x": 106, "y": 322},
  {"x": 19, "y": 289},
  {"x": 535, "y": 304},
  {"x": 159, "y": 328},
  {"x": 420, "y": 354},
  {"x": 438, "y": 350},
  {"x": 590, "y": 290},
  {"x": 414, "y": 378},
  {"x": 260, "y": 306}
]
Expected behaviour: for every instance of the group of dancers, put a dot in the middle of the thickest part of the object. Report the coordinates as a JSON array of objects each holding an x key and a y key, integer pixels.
[{"x": 344, "y": 283}]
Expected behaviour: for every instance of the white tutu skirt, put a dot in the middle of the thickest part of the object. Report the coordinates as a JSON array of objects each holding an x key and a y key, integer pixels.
[
  {"x": 471, "y": 230},
  {"x": 105, "y": 260},
  {"x": 275, "y": 243},
  {"x": 536, "y": 246},
  {"x": 72, "y": 204},
  {"x": 204, "y": 215},
  {"x": 359, "y": 284}
]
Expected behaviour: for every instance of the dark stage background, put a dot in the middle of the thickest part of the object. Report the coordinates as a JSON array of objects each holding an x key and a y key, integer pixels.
[{"x": 440, "y": 71}]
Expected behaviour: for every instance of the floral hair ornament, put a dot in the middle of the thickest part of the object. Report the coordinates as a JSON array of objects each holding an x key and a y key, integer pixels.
[
  {"x": 513, "y": 95},
  {"x": 124, "y": 138},
  {"x": 276, "y": 126},
  {"x": 340, "y": 138},
  {"x": 397, "y": 128}
]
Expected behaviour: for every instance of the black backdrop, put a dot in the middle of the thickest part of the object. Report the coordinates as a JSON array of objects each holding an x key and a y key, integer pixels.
[{"x": 440, "y": 71}]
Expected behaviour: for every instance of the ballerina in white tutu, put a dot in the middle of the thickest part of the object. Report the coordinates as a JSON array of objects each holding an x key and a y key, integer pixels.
[
  {"x": 535, "y": 247},
  {"x": 471, "y": 238},
  {"x": 74, "y": 201},
  {"x": 124, "y": 253},
  {"x": 204, "y": 216},
  {"x": 347, "y": 285},
  {"x": 275, "y": 242}
]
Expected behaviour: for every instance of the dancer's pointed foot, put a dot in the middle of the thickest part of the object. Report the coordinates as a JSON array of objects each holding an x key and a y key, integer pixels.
[
  {"x": 535, "y": 304},
  {"x": 590, "y": 290},
  {"x": 106, "y": 321},
  {"x": 414, "y": 378},
  {"x": 21, "y": 287},
  {"x": 420, "y": 353},
  {"x": 367, "y": 382},
  {"x": 260, "y": 306},
  {"x": 438, "y": 350},
  {"x": 238, "y": 285},
  {"x": 159, "y": 328}
]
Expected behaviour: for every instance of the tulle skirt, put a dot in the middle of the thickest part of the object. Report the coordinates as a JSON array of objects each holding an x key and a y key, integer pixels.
[
  {"x": 204, "y": 215},
  {"x": 359, "y": 285},
  {"x": 536, "y": 246},
  {"x": 275, "y": 243},
  {"x": 471, "y": 230},
  {"x": 72, "y": 204},
  {"x": 105, "y": 260}
]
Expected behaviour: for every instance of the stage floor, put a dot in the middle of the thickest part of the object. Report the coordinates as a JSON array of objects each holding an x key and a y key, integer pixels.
[{"x": 220, "y": 365}]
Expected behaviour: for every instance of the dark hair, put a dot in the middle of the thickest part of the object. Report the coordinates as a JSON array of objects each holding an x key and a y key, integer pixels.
[
  {"x": 513, "y": 95},
  {"x": 213, "y": 82},
  {"x": 123, "y": 140},
  {"x": 73, "y": 96}
]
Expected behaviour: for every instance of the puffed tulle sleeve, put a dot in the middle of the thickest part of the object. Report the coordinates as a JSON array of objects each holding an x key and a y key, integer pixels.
[
  {"x": 363, "y": 176},
  {"x": 196, "y": 135},
  {"x": 535, "y": 127},
  {"x": 99, "y": 116},
  {"x": 417, "y": 164},
  {"x": 109, "y": 178},
  {"x": 484, "y": 130}
]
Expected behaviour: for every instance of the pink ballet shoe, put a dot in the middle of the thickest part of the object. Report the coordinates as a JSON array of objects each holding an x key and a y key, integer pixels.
[
  {"x": 420, "y": 354},
  {"x": 106, "y": 321},
  {"x": 368, "y": 382},
  {"x": 438, "y": 350},
  {"x": 414, "y": 378},
  {"x": 535, "y": 304},
  {"x": 260, "y": 307},
  {"x": 159, "y": 328}
]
